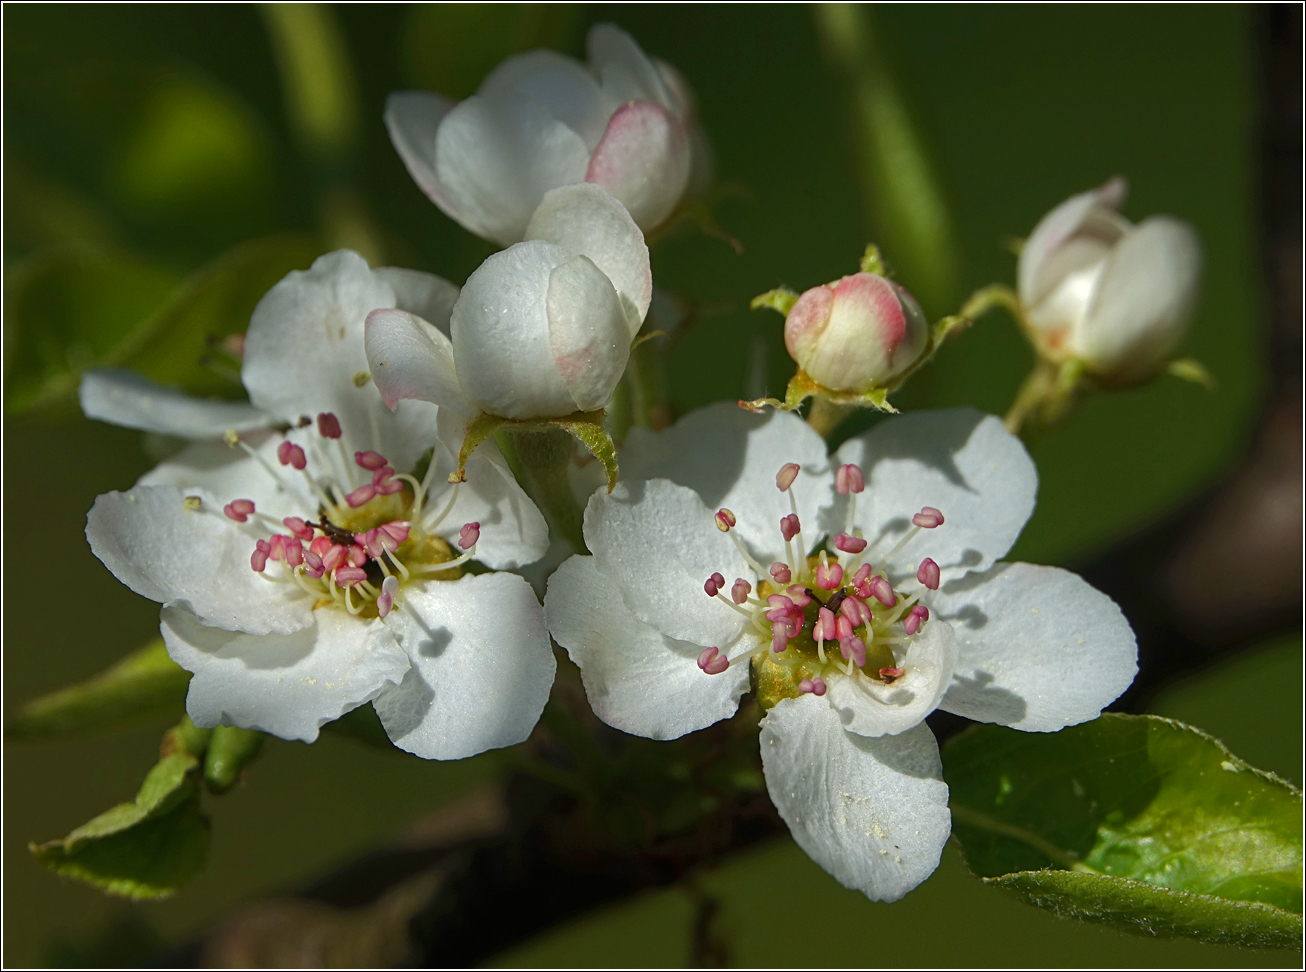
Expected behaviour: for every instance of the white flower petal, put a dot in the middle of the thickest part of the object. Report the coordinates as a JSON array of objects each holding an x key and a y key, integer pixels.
[
  {"x": 730, "y": 457},
  {"x": 287, "y": 684},
  {"x": 872, "y": 812},
  {"x": 658, "y": 543},
  {"x": 197, "y": 559},
  {"x": 585, "y": 219},
  {"x": 304, "y": 346},
  {"x": 1039, "y": 648},
  {"x": 644, "y": 159},
  {"x": 564, "y": 87},
  {"x": 482, "y": 667},
  {"x": 959, "y": 461},
  {"x": 871, "y": 708},
  {"x": 637, "y": 679},
  {"x": 501, "y": 335},
  {"x": 496, "y": 157},
  {"x": 410, "y": 359},
  {"x": 125, "y": 398},
  {"x": 429, "y": 297},
  {"x": 588, "y": 333},
  {"x": 1144, "y": 299},
  {"x": 229, "y": 473},
  {"x": 413, "y": 118},
  {"x": 626, "y": 72},
  {"x": 1053, "y": 230}
]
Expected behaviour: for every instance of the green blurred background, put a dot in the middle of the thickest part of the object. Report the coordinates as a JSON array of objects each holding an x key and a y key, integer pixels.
[{"x": 145, "y": 148}]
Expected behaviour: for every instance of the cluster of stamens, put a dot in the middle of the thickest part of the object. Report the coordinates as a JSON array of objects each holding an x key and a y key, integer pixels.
[
  {"x": 328, "y": 557},
  {"x": 806, "y": 607}
]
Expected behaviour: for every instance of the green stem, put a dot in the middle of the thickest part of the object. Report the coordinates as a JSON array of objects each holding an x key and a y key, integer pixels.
[
  {"x": 987, "y": 298},
  {"x": 543, "y": 459},
  {"x": 826, "y": 415},
  {"x": 1037, "y": 388}
]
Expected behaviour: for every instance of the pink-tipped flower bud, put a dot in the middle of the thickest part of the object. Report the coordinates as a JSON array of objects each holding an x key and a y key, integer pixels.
[
  {"x": 740, "y": 590},
  {"x": 856, "y": 334},
  {"x": 239, "y": 510},
  {"x": 789, "y": 526},
  {"x": 469, "y": 535},
  {"x": 849, "y": 544},
  {"x": 724, "y": 520},
  {"x": 1097, "y": 288},
  {"x": 786, "y": 476},
  {"x": 328, "y": 426},
  {"x": 713, "y": 585},
  {"x": 848, "y": 479},
  {"x": 928, "y": 574},
  {"x": 780, "y": 572},
  {"x": 928, "y": 518}
]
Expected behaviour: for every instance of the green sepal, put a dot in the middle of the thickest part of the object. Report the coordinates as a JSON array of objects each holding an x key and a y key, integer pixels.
[
  {"x": 781, "y": 300},
  {"x": 1148, "y": 910},
  {"x": 802, "y": 387},
  {"x": 230, "y": 750},
  {"x": 873, "y": 262},
  {"x": 143, "y": 683},
  {"x": 1138, "y": 821},
  {"x": 1190, "y": 369},
  {"x": 185, "y": 737},
  {"x": 586, "y": 427},
  {"x": 143, "y": 849}
]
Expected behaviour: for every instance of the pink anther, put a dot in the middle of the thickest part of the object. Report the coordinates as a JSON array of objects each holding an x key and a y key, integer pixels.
[
  {"x": 928, "y": 574},
  {"x": 824, "y": 629},
  {"x": 779, "y": 638},
  {"x": 396, "y": 529},
  {"x": 843, "y": 628},
  {"x": 859, "y": 580},
  {"x": 849, "y": 544},
  {"x": 740, "y": 590},
  {"x": 798, "y": 594},
  {"x": 239, "y": 510},
  {"x": 370, "y": 460},
  {"x": 856, "y": 610},
  {"x": 259, "y": 558},
  {"x": 780, "y": 572},
  {"x": 890, "y": 675},
  {"x": 815, "y": 686},
  {"x": 712, "y": 586},
  {"x": 289, "y": 454},
  {"x": 386, "y": 599},
  {"x": 711, "y": 661},
  {"x": 276, "y": 547},
  {"x": 724, "y": 520},
  {"x": 361, "y": 495},
  {"x": 349, "y": 576},
  {"x": 882, "y": 591},
  {"x": 781, "y": 606},
  {"x": 321, "y": 545},
  {"x": 468, "y": 535},
  {"x": 789, "y": 526},
  {"x": 328, "y": 426},
  {"x": 357, "y": 555},
  {"x": 382, "y": 475},
  {"x": 234, "y": 344},
  {"x": 335, "y": 556},
  {"x": 919, "y": 614},
  {"x": 313, "y": 565},
  {"x": 300, "y": 529},
  {"x": 829, "y": 576},
  {"x": 786, "y": 476},
  {"x": 293, "y": 551},
  {"x": 853, "y": 648},
  {"x": 848, "y": 479},
  {"x": 388, "y": 487},
  {"x": 928, "y": 518}
]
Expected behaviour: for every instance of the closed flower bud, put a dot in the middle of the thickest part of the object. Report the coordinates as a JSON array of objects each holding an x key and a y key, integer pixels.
[
  {"x": 857, "y": 333},
  {"x": 540, "y": 121},
  {"x": 1096, "y": 287}
]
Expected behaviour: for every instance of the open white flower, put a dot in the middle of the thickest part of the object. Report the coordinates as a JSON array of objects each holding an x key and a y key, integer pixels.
[
  {"x": 702, "y": 583},
  {"x": 541, "y": 120},
  {"x": 541, "y": 330},
  {"x": 306, "y": 573},
  {"x": 1098, "y": 288}
]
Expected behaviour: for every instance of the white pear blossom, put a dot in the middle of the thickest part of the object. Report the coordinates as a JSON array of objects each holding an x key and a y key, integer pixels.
[
  {"x": 857, "y": 333},
  {"x": 702, "y": 583},
  {"x": 541, "y": 330},
  {"x": 541, "y": 120},
  {"x": 305, "y": 573},
  {"x": 1098, "y": 288}
]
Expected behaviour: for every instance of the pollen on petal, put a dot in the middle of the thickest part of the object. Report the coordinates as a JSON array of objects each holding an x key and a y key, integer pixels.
[
  {"x": 786, "y": 476},
  {"x": 890, "y": 675}
]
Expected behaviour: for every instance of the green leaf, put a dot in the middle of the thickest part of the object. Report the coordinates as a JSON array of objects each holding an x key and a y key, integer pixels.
[
  {"x": 1170, "y": 832},
  {"x": 142, "y": 849},
  {"x": 145, "y": 682}
]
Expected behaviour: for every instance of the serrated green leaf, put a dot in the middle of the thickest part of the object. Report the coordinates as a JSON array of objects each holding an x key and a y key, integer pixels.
[
  {"x": 1149, "y": 910},
  {"x": 142, "y": 849},
  {"x": 1140, "y": 798},
  {"x": 145, "y": 682}
]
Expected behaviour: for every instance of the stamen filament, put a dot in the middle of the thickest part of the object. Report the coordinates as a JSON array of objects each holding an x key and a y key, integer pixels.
[
  {"x": 429, "y": 525},
  {"x": 267, "y": 467},
  {"x": 758, "y": 569}
]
